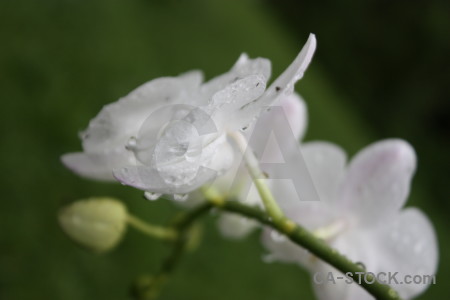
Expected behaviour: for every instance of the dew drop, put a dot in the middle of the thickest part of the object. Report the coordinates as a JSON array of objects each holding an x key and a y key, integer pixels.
[
  {"x": 180, "y": 197},
  {"x": 132, "y": 143},
  {"x": 392, "y": 293},
  {"x": 361, "y": 265},
  {"x": 152, "y": 196}
]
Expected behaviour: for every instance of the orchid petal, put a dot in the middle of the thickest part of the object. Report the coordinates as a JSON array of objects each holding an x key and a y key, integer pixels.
[
  {"x": 282, "y": 249},
  {"x": 120, "y": 120},
  {"x": 97, "y": 166},
  {"x": 326, "y": 165},
  {"x": 234, "y": 226},
  {"x": 359, "y": 247},
  {"x": 378, "y": 181},
  {"x": 407, "y": 245},
  {"x": 273, "y": 120},
  {"x": 283, "y": 85},
  {"x": 233, "y": 97},
  {"x": 242, "y": 68},
  {"x": 339, "y": 289}
]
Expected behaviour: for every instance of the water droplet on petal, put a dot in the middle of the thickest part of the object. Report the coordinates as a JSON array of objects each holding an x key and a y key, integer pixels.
[
  {"x": 180, "y": 197},
  {"x": 131, "y": 144},
  {"x": 152, "y": 196},
  {"x": 393, "y": 293},
  {"x": 277, "y": 237},
  {"x": 361, "y": 265}
]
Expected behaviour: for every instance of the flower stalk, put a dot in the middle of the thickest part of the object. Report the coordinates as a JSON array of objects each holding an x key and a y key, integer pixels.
[
  {"x": 159, "y": 232},
  {"x": 316, "y": 246},
  {"x": 258, "y": 177},
  {"x": 149, "y": 287}
]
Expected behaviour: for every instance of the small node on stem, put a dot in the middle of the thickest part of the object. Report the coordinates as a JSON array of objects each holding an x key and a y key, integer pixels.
[
  {"x": 288, "y": 226},
  {"x": 213, "y": 196}
]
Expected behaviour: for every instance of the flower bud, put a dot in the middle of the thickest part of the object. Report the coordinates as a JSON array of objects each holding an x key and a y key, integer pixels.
[{"x": 95, "y": 223}]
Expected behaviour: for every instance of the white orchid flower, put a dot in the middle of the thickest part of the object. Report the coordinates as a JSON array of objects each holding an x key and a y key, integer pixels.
[
  {"x": 169, "y": 136},
  {"x": 360, "y": 214}
]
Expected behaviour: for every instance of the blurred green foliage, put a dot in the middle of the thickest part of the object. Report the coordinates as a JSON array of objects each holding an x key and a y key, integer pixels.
[{"x": 375, "y": 75}]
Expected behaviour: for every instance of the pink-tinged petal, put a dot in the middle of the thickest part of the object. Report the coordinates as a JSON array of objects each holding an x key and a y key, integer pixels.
[
  {"x": 378, "y": 181},
  {"x": 326, "y": 165},
  {"x": 97, "y": 166},
  {"x": 407, "y": 244}
]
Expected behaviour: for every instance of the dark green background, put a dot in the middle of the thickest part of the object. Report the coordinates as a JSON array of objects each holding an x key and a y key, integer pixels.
[{"x": 381, "y": 70}]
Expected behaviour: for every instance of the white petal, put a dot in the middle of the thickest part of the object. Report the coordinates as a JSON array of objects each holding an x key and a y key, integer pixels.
[
  {"x": 233, "y": 97},
  {"x": 242, "y": 68},
  {"x": 283, "y": 250},
  {"x": 149, "y": 179},
  {"x": 180, "y": 174},
  {"x": 296, "y": 113},
  {"x": 326, "y": 165},
  {"x": 285, "y": 82},
  {"x": 119, "y": 121},
  {"x": 359, "y": 246},
  {"x": 310, "y": 214},
  {"x": 293, "y": 112},
  {"x": 96, "y": 165},
  {"x": 408, "y": 245},
  {"x": 378, "y": 181},
  {"x": 283, "y": 85},
  {"x": 234, "y": 226},
  {"x": 339, "y": 290}
]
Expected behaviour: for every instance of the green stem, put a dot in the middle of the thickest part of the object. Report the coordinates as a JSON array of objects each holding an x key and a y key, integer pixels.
[
  {"x": 149, "y": 287},
  {"x": 258, "y": 177},
  {"x": 159, "y": 232},
  {"x": 294, "y": 232},
  {"x": 318, "y": 247}
]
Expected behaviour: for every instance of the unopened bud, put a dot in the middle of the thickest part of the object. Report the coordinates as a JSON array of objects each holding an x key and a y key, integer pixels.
[{"x": 95, "y": 223}]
